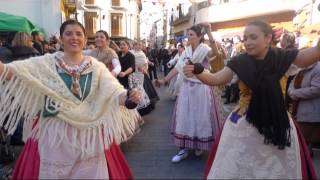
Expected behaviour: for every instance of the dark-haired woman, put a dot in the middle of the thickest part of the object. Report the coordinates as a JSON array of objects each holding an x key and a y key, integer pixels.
[
  {"x": 258, "y": 140},
  {"x": 105, "y": 54},
  {"x": 127, "y": 62},
  {"x": 196, "y": 120},
  {"x": 72, "y": 125}
]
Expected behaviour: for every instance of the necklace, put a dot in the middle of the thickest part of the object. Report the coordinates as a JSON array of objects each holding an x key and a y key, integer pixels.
[
  {"x": 75, "y": 73},
  {"x": 75, "y": 68}
]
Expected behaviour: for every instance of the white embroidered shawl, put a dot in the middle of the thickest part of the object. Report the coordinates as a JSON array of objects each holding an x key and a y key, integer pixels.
[
  {"x": 140, "y": 59},
  {"x": 36, "y": 78},
  {"x": 198, "y": 56}
]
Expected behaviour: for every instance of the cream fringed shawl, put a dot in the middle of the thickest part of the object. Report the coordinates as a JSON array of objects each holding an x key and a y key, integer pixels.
[{"x": 23, "y": 97}]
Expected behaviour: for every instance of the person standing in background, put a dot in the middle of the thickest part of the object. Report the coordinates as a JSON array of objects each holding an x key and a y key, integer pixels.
[
  {"x": 37, "y": 41},
  {"x": 127, "y": 61},
  {"x": 105, "y": 54}
]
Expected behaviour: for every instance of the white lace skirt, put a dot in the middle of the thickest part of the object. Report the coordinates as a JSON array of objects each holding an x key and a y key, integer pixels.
[
  {"x": 196, "y": 119},
  {"x": 242, "y": 154}
]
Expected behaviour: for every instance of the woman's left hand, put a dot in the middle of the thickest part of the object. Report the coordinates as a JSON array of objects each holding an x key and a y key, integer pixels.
[{"x": 135, "y": 96}]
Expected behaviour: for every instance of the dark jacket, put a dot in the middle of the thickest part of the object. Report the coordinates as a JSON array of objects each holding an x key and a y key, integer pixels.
[
  {"x": 5, "y": 55},
  {"x": 39, "y": 47},
  {"x": 23, "y": 52}
]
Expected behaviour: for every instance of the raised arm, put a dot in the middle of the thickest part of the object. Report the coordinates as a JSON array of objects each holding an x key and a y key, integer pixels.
[
  {"x": 221, "y": 77},
  {"x": 214, "y": 49},
  {"x": 308, "y": 56}
]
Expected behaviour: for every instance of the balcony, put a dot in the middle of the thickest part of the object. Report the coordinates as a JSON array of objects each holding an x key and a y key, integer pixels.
[
  {"x": 242, "y": 9},
  {"x": 183, "y": 14},
  {"x": 69, "y": 7},
  {"x": 182, "y": 19}
]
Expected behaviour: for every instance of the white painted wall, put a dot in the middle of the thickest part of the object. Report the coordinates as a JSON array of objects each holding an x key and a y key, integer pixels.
[
  {"x": 43, "y": 13},
  {"x": 315, "y": 13},
  {"x": 237, "y": 10},
  {"x": 105, "y": 22}
]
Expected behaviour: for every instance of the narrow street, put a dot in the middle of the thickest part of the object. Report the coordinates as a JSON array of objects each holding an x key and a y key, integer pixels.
[{"x": 149, "y": 153}]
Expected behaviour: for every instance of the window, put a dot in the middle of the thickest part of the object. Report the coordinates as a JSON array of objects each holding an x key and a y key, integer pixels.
[
  {"x": 115, "y": 2},
  {"x": 116, "y": 24},
  {"x": 90, "y": 21},
  {"x": 89, "y": 1}
]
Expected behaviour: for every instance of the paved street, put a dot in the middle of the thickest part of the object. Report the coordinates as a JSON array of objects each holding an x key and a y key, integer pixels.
[{"x": 149, "y": 153}]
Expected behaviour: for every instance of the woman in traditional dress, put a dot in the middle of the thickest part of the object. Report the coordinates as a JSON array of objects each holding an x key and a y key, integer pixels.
[
  {"x": 196, "y": 118},
  {"x": 105, "y": 54},
  {"x": 259, "y": 140},
  {"x": 136, "y": 79},
  {"x": 75, "y": 113},
  {"x": 127, "y": 62}
]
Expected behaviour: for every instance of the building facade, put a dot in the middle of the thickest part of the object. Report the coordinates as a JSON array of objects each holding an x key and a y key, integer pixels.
[
  {"x": 230, "y": 16},
  {"x": 120, "y": 18}
]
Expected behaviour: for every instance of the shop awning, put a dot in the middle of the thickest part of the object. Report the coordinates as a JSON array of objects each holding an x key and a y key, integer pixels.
[{"x": 10, "y": 23}]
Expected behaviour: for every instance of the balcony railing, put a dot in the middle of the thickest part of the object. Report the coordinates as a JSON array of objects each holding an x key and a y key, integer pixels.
[
  {"x": 183, "y": 14},
  {"x": 182, "y": 19}
]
